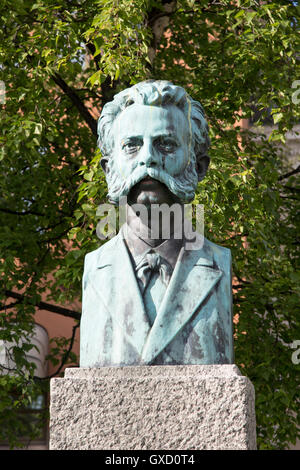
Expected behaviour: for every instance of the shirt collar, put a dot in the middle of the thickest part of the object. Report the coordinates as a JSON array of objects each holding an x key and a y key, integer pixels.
[{"x": 138, "y": 248}]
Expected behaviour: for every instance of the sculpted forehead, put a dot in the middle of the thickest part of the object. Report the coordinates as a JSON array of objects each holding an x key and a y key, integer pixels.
[{"x": 150, "y": 121}]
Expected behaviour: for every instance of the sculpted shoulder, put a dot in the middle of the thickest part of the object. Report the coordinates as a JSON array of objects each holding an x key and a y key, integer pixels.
[
  {"x": 217, "y": 249},
  {"x": 220, "y": 254},
  {"x": 97, "y": 257}
]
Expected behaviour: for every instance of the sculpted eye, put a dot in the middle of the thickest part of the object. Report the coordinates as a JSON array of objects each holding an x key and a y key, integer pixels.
[
  {"x": 167, "y": 145},
  {"x": 131, "y": 146}
]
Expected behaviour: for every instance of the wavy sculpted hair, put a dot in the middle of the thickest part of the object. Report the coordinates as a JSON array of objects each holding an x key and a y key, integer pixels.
[{"x": 158, "y": 93}]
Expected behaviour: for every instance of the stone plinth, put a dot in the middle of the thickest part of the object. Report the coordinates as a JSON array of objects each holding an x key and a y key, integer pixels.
[{"x": 153, "y": 407}]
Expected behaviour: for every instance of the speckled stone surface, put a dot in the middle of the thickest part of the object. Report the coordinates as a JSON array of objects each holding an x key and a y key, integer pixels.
[{"x": 153, "y": 407}]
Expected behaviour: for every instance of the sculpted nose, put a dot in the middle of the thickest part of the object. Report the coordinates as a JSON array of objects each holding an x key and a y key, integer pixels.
[{"x": 148, "y": 156}]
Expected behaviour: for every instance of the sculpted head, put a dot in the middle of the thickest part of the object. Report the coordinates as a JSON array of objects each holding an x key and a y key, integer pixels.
[{"x": 154, "y": 141}]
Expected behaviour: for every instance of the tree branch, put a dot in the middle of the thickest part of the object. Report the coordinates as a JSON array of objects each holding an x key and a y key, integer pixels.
[
  {"x": 64, "y": 358},
  {"x": 12, "y": 304},
  {"x": 63, "y": 361},
  {"x": 158, "y": 21},
  {"x": 91, "y": 122},
  {"x": 290, "y": 173},
  {"x": 109, "y": 85},
  {"x": 66, "y": 312},
  {"x": 289, "y": 197},
  {"x": 291, "y": 188},
  {"x": 29, "y": 212}
]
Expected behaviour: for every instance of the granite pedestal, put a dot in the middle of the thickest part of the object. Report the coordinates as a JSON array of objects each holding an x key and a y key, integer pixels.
[{"x": 153, "y": 407}]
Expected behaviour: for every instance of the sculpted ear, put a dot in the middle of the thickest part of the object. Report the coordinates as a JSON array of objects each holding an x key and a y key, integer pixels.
[
  {"x": 104, "y": 165},
  {"x": 202, "y": 166}
]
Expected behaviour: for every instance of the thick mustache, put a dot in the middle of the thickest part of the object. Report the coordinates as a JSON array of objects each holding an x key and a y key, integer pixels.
[
  {"x": 182, "y": 186},
  {"x": 141, "y": 173}
]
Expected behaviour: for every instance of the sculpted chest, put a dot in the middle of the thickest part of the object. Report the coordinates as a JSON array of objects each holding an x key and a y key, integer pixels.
[{"x": 193, "y": 324}]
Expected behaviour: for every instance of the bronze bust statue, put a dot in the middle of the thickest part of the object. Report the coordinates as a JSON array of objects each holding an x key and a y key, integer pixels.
[{"x": 155, "y": 300}]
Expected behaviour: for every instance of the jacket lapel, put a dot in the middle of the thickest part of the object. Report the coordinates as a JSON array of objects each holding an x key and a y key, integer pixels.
[
  {"x": 116, "y": 286},
  {"x": 193, "y": 278},
  {"x": 115, "y": 282}
]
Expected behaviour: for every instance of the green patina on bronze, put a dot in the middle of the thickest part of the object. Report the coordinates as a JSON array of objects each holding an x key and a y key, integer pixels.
[{"x": 154, "y": 142}]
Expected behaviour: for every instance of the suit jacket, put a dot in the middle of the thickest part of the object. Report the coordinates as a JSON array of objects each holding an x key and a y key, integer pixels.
[{"x": 193, "y": 324}]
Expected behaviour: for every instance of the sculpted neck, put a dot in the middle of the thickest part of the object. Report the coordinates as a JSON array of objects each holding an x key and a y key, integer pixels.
[{"x": 155, "y": 223}]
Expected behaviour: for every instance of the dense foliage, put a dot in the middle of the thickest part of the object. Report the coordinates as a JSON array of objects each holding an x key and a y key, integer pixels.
[{"x": 60, "y": 61}]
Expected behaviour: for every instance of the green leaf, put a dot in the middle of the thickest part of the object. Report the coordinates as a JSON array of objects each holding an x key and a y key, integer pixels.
[{"x": 277, "y": 117}]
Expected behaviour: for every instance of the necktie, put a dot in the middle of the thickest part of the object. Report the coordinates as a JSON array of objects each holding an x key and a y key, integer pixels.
[{"x": 152, "y": 263}]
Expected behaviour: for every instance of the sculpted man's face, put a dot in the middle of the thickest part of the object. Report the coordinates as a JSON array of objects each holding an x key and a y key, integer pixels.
[{"x": 151, "y": 140}]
